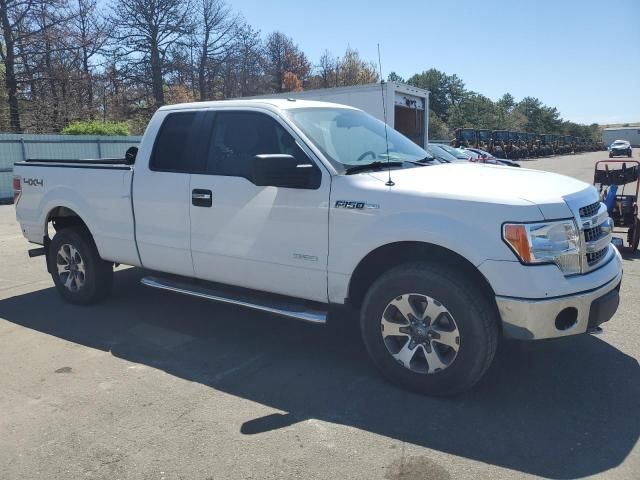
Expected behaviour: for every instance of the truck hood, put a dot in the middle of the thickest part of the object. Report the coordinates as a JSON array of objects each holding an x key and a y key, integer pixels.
[{"x": 493, "y": 184}]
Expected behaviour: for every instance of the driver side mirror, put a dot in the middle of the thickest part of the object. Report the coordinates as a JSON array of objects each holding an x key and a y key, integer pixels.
[
  {"x": 282, "y": 170},
  {"x": 130, "y": 155}
]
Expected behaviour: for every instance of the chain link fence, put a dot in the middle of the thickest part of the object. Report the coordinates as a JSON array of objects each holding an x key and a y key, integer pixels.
[{"x": 17, "y": 148}]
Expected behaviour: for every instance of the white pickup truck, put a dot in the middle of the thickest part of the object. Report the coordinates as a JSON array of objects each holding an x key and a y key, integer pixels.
[{"x": 296, "y": 207}]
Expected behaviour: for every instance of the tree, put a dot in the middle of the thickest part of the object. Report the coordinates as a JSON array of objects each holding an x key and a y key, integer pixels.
[
  {"x": 540, "y": 118},
  {"x": 454, "y": 89},
  {"x": 248, "y": 60},
  {"x": 291, "y": 83},
  {"x": 88, "y": 34},
  {"x": 352, "y": 70},
  {"x": 438, "y": 130},
  {"x": 476, "y": 111},
  {"x": 327, "y": 70},
  {"x": 17, "y": 32},
  {"x": 506, "y": 102},
  {"x": 215, "y": 38},
  {"x": 434, "y": 81},
  {"x": 283, "y": 55},
  {"x": 394, "y": 77},
  {"x": 144, "y": 30}
]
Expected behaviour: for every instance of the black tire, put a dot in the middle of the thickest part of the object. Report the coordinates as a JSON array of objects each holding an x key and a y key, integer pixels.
[
  {"x": 97, "y": 281},
  {"x": 475, "y": 315}
]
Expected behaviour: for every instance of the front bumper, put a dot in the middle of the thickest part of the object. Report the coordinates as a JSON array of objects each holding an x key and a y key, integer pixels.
[
  {"x": 531, "y": 319},
  {"x": 619, "y": 153}
]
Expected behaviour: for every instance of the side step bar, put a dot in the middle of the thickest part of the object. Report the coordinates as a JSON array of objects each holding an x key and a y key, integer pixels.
[{"x": 297, "y": 309}]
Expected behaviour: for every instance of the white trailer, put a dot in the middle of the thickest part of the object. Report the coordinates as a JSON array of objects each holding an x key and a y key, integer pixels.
[
  {"x": 630, "y": 134},
  {"x": 407, "y": 107}
]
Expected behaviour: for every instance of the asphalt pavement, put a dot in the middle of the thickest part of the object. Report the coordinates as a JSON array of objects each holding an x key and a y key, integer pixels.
[{"x": 151, "y": 385}]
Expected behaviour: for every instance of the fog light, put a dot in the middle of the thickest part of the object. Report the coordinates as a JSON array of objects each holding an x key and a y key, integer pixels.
[{"x": 567, "y": 318}]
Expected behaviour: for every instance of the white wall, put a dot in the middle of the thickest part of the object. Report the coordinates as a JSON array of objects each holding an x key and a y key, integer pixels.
[{"x": 631, "y": 135}]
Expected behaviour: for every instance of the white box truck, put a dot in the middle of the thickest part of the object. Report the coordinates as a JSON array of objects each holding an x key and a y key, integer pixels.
[
  {"x": 630, "y": 134},
  {"x": 407, "y": 107}
]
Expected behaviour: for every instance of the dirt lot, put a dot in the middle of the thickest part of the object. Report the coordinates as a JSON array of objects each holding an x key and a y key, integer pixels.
[{"x": 150, "y": 385}]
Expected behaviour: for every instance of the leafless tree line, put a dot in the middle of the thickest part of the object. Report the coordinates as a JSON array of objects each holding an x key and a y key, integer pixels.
[{"x": 68, "y": 60}]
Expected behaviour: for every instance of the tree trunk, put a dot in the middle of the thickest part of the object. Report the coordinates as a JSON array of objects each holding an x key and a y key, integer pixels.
[
  {"x": 202, "y": 80},
  {"x": 156, "y": 75},
  {"x": 89, "y": 80},
  {"x": 10, "y": 71},
  {"x": 202, "y": 67},
  {"x": 52, "y": 84}
]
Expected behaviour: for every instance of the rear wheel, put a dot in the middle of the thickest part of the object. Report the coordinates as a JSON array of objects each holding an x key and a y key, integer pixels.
[
  {"x": 428, "y": 328},
  {"x": 80, "y": 275}
]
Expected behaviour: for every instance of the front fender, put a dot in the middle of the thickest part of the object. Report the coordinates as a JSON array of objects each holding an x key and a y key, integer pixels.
[{"x": 470, "y": 230}]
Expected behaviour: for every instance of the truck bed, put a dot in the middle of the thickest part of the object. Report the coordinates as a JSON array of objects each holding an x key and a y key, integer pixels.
[{"x": 98, "y": 190}]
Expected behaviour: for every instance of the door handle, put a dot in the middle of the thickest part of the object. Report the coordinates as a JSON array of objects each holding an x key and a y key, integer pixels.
[{"x": 201, "y": 198}]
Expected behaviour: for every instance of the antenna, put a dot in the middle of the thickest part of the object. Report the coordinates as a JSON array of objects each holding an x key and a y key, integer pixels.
[{"x": 390, "y": 182}]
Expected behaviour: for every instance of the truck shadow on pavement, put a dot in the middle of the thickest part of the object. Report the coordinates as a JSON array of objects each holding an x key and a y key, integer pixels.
[{"x": 559, "y": 409}]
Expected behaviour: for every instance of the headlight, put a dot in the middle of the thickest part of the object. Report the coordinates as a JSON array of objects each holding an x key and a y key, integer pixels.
[{"x": 546, "y": 242}]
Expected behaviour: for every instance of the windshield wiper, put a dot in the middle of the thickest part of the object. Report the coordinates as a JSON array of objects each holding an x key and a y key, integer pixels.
[
  {"x": 424, "y": 160},
  {"x": 377, "y": 165}
]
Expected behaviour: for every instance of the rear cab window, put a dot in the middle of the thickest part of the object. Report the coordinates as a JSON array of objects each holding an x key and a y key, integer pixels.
[{"x": 177, "y": 145}]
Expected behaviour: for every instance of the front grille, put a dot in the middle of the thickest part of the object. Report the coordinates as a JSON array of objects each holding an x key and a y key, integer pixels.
[
  {"x": 591, "y": 234},
  {"x": 596, "y": 235},
  {"x": 595, "y": 257},
  {"x": 590, "y": 210}
]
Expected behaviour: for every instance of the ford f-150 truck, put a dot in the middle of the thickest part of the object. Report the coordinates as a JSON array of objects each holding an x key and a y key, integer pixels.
[{"x": 297, "y": 207}]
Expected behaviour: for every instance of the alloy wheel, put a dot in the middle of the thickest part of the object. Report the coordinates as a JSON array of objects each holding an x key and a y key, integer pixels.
[{"x": 420, "y": 333}]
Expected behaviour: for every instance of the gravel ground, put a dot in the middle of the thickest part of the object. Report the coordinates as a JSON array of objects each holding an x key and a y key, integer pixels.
[{"x": 149, "y": 385}]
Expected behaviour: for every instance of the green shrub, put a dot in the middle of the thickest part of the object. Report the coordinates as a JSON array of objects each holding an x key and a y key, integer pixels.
[{"x": 94, "y": 127}]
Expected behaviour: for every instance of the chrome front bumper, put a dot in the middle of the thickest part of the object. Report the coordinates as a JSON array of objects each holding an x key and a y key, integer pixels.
[{"x": 533, "y": 319}]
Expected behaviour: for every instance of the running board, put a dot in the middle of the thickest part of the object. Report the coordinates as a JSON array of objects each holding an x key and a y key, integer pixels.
[{"x": 298, "y": 309}]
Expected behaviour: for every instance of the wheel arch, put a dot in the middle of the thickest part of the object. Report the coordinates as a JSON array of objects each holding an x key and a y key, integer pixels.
[
  {"x": 391, "y": 255},
  {"x": 61, "y": 217},
  {"x": 64, "y": 217}
]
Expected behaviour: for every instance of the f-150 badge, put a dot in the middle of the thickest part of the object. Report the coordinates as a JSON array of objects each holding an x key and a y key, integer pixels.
[{"x": 355, "y": 205}]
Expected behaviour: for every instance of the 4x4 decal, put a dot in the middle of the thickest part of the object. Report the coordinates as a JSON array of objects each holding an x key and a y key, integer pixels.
[{"x": 33, "y": 182}]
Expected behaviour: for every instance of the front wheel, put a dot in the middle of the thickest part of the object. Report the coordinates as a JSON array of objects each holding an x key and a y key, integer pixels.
[
  {"x": 428, "y": 328},
  {"x": 80, "y": 275}
]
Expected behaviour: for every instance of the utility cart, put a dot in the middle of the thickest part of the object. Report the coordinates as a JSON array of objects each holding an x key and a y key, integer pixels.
[{"x": 611, "y": 178}]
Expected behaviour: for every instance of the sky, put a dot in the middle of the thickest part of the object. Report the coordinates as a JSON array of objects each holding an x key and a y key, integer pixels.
[{"x": 582, "y": 57}]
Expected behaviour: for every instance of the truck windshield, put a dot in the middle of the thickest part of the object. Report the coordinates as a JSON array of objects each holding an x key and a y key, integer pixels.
[
  {"x": 467, "y": 135},
  {"x": 351, "y": 138}
]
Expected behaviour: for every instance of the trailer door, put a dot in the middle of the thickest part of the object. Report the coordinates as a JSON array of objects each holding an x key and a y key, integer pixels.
[{"x": 409, "y": 117}]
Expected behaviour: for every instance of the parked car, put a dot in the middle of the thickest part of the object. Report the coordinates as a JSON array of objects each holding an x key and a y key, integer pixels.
[
  {"x": 441, "y": 154},
  {"x": 619, "y": 148},
  {"x": 482, "y": 156},
  {"x": 459, "y": 153},
  {"x": 298, "y": 208}
]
